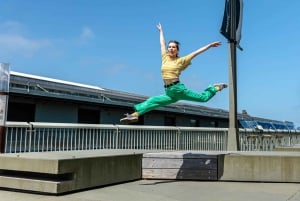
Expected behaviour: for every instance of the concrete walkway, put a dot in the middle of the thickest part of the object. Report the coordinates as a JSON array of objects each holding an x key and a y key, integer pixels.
[{"x": 165, "y": 190}]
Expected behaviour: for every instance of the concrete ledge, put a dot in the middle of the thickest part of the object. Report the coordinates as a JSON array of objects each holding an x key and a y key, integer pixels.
[
  {"x": 223, "y": 166},
  {"x": 293, "y": 148},
  {"x": 261, "y": 167},
  {"x": 61, "y": 172}
]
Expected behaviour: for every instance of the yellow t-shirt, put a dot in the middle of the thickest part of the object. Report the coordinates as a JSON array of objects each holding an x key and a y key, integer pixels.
[{"x": 171, "y": 69}]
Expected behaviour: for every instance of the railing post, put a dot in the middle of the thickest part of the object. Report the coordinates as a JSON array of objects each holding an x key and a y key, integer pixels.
[
  {"x": 117, "y": 136},
  {"x": 178, "y": 144},
  {"x": 4, "y": 89}
]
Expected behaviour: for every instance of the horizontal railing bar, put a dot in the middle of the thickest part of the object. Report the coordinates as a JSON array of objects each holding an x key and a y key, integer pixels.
[
  {"x": 16, "y": 124},
  {"x": 107, "y": 126},
  {"x": 134, "y": 127}
]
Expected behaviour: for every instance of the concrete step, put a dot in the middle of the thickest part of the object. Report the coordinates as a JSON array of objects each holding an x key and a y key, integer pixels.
[{"x": 61, "y": 172}]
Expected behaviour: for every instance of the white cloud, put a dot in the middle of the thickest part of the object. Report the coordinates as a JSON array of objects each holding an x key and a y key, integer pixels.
[
  {"x": 13, "y": 41},
  {"x": 86, "y": 34},
  {"x": 18, "y": 44}
]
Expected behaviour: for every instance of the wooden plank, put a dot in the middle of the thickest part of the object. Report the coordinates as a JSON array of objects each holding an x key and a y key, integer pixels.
[
  {"x": 180, "y": 163},
  {"x": 179, "y": 174},
  {"x": 181, "y": 155}
]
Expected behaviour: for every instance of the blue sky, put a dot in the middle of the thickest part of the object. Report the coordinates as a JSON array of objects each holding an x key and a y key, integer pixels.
[{"x": 115, "y": 44}]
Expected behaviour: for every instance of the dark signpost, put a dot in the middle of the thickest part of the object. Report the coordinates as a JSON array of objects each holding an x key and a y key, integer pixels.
[{"x": 231, "y": 30}]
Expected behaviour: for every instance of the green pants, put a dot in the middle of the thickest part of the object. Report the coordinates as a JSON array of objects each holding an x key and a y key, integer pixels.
[{"x": 173, "y": 94}]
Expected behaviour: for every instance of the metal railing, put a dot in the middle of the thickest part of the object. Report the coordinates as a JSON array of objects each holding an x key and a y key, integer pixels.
[
  {"x": 266, "y": 140},
  {"x": 42, "y": 137}
]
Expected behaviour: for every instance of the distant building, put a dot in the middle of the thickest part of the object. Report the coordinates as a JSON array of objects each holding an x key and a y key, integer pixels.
[{"x": 40, "y": 99}]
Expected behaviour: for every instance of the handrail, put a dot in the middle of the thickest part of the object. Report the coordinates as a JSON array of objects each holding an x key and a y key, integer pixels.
[{"x": 45, "y": 136}]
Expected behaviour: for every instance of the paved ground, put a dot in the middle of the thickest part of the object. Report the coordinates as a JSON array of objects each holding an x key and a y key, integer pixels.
[{"x": 164, "y": 190}]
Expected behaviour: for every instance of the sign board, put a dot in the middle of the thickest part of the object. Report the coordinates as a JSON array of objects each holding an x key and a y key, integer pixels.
[{"x": 226, "y": 27}]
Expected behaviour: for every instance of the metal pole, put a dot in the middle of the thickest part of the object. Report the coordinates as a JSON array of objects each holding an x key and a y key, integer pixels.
[{"x": 233, "y": 138}]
